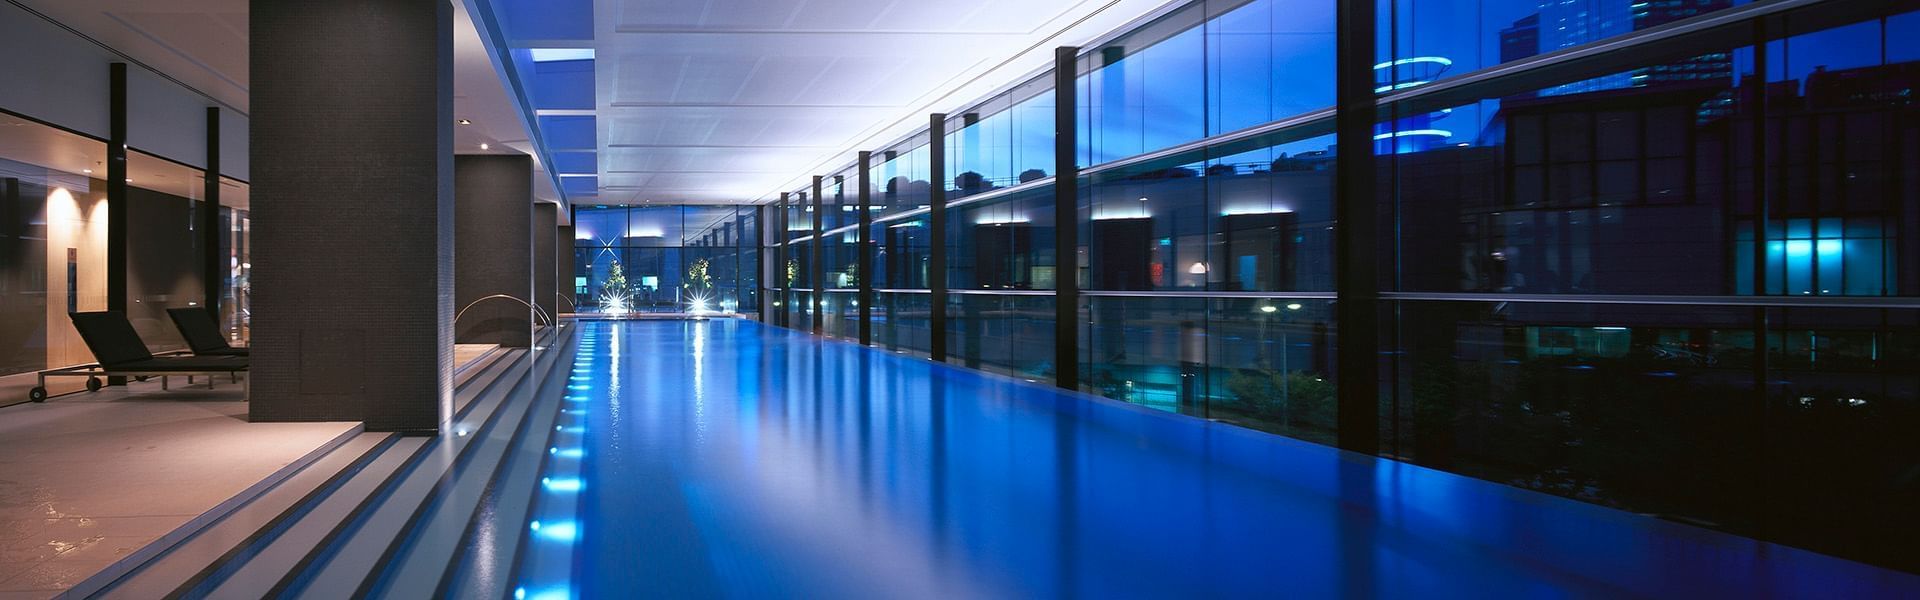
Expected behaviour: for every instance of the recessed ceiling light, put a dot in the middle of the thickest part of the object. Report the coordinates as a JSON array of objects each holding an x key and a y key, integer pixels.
[
  {"x": 465, "y": 122},
  {"x": 86, "y": 170},
  {"x": 483, "y": 146}
]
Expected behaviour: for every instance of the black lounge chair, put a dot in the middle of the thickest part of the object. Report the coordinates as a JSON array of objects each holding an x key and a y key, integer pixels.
[
  {"x": 203, "y": 336},
  {"x": 121, "y": 354}
]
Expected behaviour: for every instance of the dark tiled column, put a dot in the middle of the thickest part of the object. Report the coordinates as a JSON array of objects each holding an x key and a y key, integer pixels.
[
  {"x": 546, "y": 266},
  {"x": 493, "y": 249},
  {"x": 352, "y": 160},
  {"x": 565, "y": 248}
]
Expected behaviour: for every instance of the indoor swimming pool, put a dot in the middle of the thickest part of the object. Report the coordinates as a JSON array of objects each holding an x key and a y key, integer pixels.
[{"x": 727, "y": 458}]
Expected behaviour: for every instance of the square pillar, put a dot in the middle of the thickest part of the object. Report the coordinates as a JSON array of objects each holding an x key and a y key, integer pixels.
[
  {"x": 493, "y": 249},
  {"x": 567, "y": 302},
  {"x": 352, "y": 158},
  {"x": 546, "y": 263}
]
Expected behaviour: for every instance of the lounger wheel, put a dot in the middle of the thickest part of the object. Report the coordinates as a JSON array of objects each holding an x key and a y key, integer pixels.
[
  {"x": 94, "y": 384},
  {"x": 38, "y": 394}
]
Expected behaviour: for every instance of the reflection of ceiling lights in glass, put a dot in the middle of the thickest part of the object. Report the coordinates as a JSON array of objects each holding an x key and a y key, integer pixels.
[
  {"x": 1254, "y": 210},
  {"x": 560, "y": 54}
]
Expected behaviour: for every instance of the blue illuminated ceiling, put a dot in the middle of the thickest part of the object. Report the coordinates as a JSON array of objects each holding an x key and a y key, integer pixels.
[{"x": 730, "y": 101}]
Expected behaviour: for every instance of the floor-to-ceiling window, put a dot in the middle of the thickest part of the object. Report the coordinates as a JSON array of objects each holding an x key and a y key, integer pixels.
[
  {"x": 53, "y": 243},
  {"x": 1651, "y": 255},
  {"x": 675, "y": 259},
  {"x": 236, "y": 226},
  {"x": 1681, "y": 286}
]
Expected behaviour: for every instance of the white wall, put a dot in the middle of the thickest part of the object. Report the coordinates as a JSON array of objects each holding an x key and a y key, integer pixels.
[{"x": 54, "y": 75}]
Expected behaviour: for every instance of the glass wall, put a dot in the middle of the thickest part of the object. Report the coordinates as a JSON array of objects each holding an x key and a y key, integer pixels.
[
  {"x": 165, "y": 240},
  {"x": 673, "y": 259},
  {"x": 1673, "y": 275},
  {"x": 53, "y": 250},
  {"x": 236, "y": 223},
  {"x": 903, "y": 306},
  {"x": 1750, "y": 181}
]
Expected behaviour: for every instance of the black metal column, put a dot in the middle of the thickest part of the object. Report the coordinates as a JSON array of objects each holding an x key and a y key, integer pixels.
[
  {"x": 937, "y": 236},
  {"x": 117, "y": 208},
  {"x": 1762, "y": 182},
  {"x": 117, "y": 187},
  {"x": 816, "y": 266},
  {"x": 760, "y": 260},
  {"x": 779, "y": 270},
  {"x": 865, "y": 269},
  {"x": 1066, "y": 225},
  {"x": 1357, "y": 308},
  {"x": 215, "y": 276}
]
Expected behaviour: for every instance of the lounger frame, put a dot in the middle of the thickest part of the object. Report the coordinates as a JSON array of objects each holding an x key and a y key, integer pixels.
[{"x": 94, "y": 371}]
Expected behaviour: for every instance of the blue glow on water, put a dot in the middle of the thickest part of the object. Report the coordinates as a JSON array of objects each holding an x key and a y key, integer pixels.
[
  {"x": 733, "y": 459},
  {"x": 579, "y": 388},
  {"x": 564, "y": 531},
  {"x": 560, "y": 593}
]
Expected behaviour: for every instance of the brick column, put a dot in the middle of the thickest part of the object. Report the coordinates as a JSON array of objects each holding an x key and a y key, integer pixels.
[
  {"x": 493, "y": 248},
  {"x": 546, "y": 265},
  {"x": 352, "y": 160}
]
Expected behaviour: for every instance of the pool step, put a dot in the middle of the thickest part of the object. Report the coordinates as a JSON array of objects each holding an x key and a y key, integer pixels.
[
  {"x": 327, "y": 529},
  {"x": 442, "y": 484}
]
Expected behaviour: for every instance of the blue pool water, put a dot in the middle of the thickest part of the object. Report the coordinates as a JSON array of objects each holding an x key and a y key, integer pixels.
[{"x": 727, "y": 458}]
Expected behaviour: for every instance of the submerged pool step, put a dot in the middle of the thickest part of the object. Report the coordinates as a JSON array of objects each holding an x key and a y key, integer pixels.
[{"x": 270, "y": 541}]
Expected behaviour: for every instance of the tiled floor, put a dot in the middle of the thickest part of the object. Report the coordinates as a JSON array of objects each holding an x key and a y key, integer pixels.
[
  {"x": 463, "y": 353},
  {"x": 87, "y": 479}
]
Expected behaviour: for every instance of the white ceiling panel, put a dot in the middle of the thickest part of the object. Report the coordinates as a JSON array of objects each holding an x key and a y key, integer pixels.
[
  {"x": 733, "y": 100},
  {"x": 696, "y": 100}
]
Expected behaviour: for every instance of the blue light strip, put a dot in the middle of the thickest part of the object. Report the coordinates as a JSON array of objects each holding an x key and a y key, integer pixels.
[{"x": 553, "y": 533}]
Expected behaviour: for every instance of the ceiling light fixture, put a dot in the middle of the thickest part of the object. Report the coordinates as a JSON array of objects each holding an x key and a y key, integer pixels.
[
  {"x": 465, "y": 122},
  {"x": 483, "y": 146}
]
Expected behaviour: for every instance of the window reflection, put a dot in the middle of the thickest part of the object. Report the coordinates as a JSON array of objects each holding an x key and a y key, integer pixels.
[
  {"x": 53, "y": 228},
  {"x": 666, "y": 259}
]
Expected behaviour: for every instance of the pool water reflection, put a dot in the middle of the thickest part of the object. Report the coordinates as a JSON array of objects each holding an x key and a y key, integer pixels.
[{"x": 726, "y": 458}]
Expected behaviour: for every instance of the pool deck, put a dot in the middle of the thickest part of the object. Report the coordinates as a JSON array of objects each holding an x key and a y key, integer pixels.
[{"x": 89, "y": 480}]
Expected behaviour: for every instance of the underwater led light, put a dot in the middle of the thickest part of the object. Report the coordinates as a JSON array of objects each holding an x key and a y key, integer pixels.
[
  {"x": 554, "y": 593},
  {"x": 562, "y": 485},
  {"x": 564, "y": 531},
  {"x": 579, "y": 388}
]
